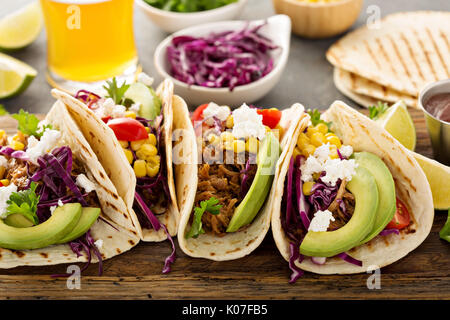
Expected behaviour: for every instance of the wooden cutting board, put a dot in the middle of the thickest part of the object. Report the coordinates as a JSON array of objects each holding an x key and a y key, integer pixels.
[{"x": 423, "y": 274}]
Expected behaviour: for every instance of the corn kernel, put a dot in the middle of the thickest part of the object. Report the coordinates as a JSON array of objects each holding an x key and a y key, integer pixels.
[
  {"x": 268, "y": 129},
  {"x": 322, "y": 127},
  {"x": 130, "y": 114},
  {"x": 238, "y": 146},
  {"x": 334, "y": 154},
  {"x": 152, "y": 170},
  {"x": 317, "y": 139},
  {"x": 136, "y": 145},
  {"x": 146, "y": 151},
  {"x": 152, "y": 139},
  {"x": 310, "y": 131},
  {"x": 308, "y": 150},
  {"x": 278, "y": 129},
  {"x": 251, "y": 145},
  {"x": 2, "y": 134},
  {"x": 296, "y": 153},
  {"x": 334, "y": 140},
  {"x": 140, "y": 169},
  {"x": 124, "y": 144},
  {"x": 213, "y": 139},
  {"x": 19, "y": 137},
  {"x": 229, "y": 122},
  {"x": 316, "y": 176},
  {"x": 155, "y": 160},
  {"x": 17, "y": 145},
  {"x": 129, "y": 155},
  {"x": 226, "y": 136},
  {"x": 307, "y": 186},
  {"x": 303, "y": 140},
  {"x": 4, "y": 182},
  {"x": 147, "y": 129},
  {"x": 2, "y": 171}
]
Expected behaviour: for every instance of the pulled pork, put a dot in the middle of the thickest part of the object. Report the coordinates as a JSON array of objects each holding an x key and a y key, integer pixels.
[{"x": 342, "y": 207}]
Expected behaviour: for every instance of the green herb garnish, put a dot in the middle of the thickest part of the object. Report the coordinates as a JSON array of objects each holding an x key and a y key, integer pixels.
[
  {"x": 211, "y": 205},
  {"x": 25, "y": 203},
  {"x": 188, "y": 5},
  {"x": 315, "y": 118},
  {"x": 114, "y": 92},
  {"x": 376, "y": 111},
  {"x": 445, "y": 232},
  {"x": 29, "y": 124},
  {"x": 3, "y": 111}
]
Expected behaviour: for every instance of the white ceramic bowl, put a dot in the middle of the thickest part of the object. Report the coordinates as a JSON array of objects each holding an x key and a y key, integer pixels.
[
  {"x": 174, "y": 21},
  {"x": 278, "y": 29}
]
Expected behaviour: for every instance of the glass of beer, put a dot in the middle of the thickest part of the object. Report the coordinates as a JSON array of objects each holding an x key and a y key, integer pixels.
[{"x": 89, "y": 41}]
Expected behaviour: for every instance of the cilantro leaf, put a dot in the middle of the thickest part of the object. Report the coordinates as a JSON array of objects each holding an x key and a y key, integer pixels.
[
  {"x": 3, "y": 111},
  {"x": 29, "y": 124},
  {"x": 211, "y": 205},
  {"x": 114, "y": 92},
  {"x": 315, "y": 118},
  {"x": 444, "y": 234},
  {"x": 376, "y": 111},
  {"x": 24, "y": 202}
]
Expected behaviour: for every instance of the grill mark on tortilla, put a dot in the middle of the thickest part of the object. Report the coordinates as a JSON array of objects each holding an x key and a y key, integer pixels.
[
  {"x": 110, "y": 237},
  {"x": 65, "y": 254},
  {"x": 372, "y": 55},
  {"x": 250, "y": 242},
  {"x": 212, "y": 254},
  {"x": 412, "y": 55},
  {"x": 234, "y": 250},
  {"x": 45, "y": 255},
  {"x": 352, "y": 79},
  {"x": 444, "y": 37},
  {"x": 436, "y": 48},
  {"x": 131, "y": 242},
  {"x": 118, "y": 250},
  {"x": 422, "y": 46},
  {"x": 386, "y": 57},
  {"x": 404, "y": 65},
  {"x": 19, "y": 254}
]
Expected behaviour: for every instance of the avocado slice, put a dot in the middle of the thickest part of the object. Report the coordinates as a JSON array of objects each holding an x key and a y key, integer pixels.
[
  {"x": 63, "y": 220},
  {"x": 330, "y": 243},
  {"x": 18, "y": 220},
  {"x": 150, "y": 103},
  {"x": 386, "y": 190},
  {"x": 254, "y": 199},
  {"x": 87, "y": 219}
]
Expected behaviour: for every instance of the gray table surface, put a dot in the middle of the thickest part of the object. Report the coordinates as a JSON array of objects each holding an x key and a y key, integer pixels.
[{"x": 307, "y": 77}]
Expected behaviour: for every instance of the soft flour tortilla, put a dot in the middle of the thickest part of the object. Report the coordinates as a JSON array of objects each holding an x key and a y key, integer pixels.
[
  {"x": 407, "y": 51},
  {"x": 109, "y": 152},
  {"x": 366, "y": 92},
  {"x": 411, "y": 186},
  {"x": 116, "y": 239},
  {"x": 240, "y": 243}
]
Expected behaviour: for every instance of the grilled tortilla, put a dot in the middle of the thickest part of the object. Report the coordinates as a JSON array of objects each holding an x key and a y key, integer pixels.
[{"x": 411, "y": 184}]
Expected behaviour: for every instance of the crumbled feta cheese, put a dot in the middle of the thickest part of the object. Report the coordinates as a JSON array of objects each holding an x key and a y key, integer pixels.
[
  {"x": 336, "y": 169},
  {"x": 99, "y": 243},
  {"x": 52, "y": 209},
  {"x": 5, "y": 193},
  {"x": 119, "y": 111},
  {"x": 322, "y": 153},
  {"x": 83, "y": 182},
  {"x": 135, "y": 107},
  {"x": 3, "y": 162},
  {"x": 346, "y": 151},
  {"x": 60, "y": 203},
  {"x": 214, "y": 110},
  {"x": 145, "y": 79},
  {"x": 311, "y": 166},
  {"x": 37, "y": 148},
  {"x": 321, "y": 221},
  {"x": 248, "y": 123}
]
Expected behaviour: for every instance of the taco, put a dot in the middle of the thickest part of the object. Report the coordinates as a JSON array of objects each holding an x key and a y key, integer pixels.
[
  {"x": 228, "y": 205},
  {"x": 57, "y": 204},
  {"x": 350, "y": 198},
  {"x": 130, "y": 131}
]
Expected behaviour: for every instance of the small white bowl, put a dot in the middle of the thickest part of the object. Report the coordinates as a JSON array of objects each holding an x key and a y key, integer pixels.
[
  {"x": 173, "y": 21},
  {"x": 278, "y": 29}
]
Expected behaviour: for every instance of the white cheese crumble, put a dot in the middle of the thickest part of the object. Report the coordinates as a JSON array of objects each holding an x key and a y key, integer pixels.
[
  {"x": 37, "y": 148},
  {"x": 214, "y": 110},
  {"x": 321, "y": 221},
  {"x": 99, "y": 243},
  {"x": 346, "y": 151},
  {"x": 336, "y": 169},
  {"x": 52, "y": 209},
  {"x": 119, "y": 111},
  {"x": 145, "y": 79},
  {"x": 5, "y": 193},
  {"x": 248, "y": 123},
  {"x": 322, "y": 153},
  {"x": 60, "y": 203},
  {"x": 83, "y": 182},
  {"x": 135, "y": 107}
]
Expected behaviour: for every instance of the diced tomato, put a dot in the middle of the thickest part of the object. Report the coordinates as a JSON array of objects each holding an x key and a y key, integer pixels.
[
  {"x": 106, "y": 119},
  {"x": 401, "y": 218},
  {"x": 128, "y": 129},
  {"x": 1, "y": 184},
  {"x": 198, "y": 113},
  {"x": 271, "y": 117}
]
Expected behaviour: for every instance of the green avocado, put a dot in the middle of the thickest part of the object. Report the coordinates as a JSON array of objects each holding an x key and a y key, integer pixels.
[
  {"x": 150, "y": 103},
  {"x": 330, "y": 243},
  {"x": 254, "y": 199},
  {"x": 63, "y": 220},
  {"x": 386, "y": 191},
  {"x": 87, "y": 219},
  {"x": 18, "y": 220}
]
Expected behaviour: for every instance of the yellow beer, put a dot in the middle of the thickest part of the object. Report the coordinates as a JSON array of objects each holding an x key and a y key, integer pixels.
[{"x": 89, "y": 40}]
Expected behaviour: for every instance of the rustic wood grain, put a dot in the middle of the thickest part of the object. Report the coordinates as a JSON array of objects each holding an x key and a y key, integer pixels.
[{"x": 423, "y": 274}]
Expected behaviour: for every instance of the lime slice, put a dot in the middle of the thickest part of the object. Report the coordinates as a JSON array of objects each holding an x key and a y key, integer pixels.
[
  {"x": 20, "y": 28},
  {"x": 438, "y": 176},
  {"x": 15, "y": 76},
  {"x": 397, "y": 121}
]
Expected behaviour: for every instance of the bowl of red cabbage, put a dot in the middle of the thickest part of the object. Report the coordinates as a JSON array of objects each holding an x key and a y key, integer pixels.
[{"x": 227, "y": 62}]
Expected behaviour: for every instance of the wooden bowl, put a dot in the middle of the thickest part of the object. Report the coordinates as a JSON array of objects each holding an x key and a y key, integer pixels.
[{"x": 319, "y": 19}]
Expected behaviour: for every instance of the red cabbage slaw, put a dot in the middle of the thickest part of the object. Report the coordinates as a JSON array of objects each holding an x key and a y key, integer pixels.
[{"x": 221, "y": 60}]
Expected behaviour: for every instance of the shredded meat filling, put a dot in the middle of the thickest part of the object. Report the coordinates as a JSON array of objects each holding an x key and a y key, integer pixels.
[{"x": 347, "y": 200}]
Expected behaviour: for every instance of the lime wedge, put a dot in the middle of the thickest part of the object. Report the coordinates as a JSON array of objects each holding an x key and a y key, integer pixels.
[
  {"x": 20, "y": 28},
  {"x": 397, "y": 121},
  {"x": 438, "y": 176},
  {"x": 15, "y": 76}
]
